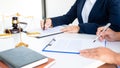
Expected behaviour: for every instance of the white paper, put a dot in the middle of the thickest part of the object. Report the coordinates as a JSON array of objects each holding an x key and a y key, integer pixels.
[
  {"x": 53, "y": 30},
  {"x": 50, "y": 31},
  {"x": 72, "y": 44},
  {"x": 115, "y": 46}
]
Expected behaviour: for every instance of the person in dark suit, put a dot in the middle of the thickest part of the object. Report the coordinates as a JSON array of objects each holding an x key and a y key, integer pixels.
[{"x": 99, "y": 13}]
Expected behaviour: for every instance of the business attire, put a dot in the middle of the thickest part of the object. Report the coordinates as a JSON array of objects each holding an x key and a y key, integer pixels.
[{"x": 101, "y": 13}]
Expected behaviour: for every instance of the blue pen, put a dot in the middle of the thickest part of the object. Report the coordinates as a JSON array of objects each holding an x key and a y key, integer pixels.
[{"x": 105, "y": 43}]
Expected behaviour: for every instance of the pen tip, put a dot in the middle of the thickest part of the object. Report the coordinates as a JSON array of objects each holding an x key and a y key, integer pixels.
[{"x": 94, "y": 40}]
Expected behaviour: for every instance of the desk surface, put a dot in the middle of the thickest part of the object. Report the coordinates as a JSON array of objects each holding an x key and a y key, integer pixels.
[{"x": 62, "y": 60}]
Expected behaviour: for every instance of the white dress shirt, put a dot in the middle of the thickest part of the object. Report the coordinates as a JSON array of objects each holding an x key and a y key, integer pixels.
[{"x": 86, "y": 9}]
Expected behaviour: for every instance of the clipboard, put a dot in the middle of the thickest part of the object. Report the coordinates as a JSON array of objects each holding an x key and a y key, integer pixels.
[
  {"x": 70, "y": 46},
  {"x": 45, "y": 33}
]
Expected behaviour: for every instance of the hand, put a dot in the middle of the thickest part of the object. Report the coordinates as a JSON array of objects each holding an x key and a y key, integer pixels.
[
  {"x": 109, "y": 34},
  {"x": 48, "y": 24},
  {"x": 71, "y": 29},
  {"x": 100, "y": 53}
]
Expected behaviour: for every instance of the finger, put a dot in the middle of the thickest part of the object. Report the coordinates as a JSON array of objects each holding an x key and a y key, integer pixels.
[
  {"x": 99, "y": 30},
  {"x": 89, "y": 53},
  {"x": 42, "y": 23},
  {"x": 84, "y": 54},
  {"x": 88, "y": 50},
  {"x": 104, "y": 35},
  {"x": 83, "y": 51},
  {"x": 101, "y": 39},
  {"x": 47, "y": 25},
  {"x": 65, "y": 29}
]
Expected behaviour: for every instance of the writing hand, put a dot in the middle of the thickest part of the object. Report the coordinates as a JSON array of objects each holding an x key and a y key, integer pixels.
[
  {"x": 108, "y": 35},
  {"x": 45, "y": 24},
  {"x": 99, "y": 31}
]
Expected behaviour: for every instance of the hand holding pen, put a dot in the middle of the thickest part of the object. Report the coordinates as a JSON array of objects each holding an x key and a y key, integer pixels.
[
  {"x": 102, "y": 31},
  {"x": 45, "y": 24}
]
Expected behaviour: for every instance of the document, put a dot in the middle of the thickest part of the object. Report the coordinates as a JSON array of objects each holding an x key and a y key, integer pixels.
[
  {"x": 50, "y": 32},
  {"x": 115, "y": 46},
  {"x": 71, "y": 45}
]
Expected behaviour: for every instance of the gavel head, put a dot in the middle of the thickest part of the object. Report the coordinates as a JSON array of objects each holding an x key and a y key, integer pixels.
[{"x": 15, "y": 22}]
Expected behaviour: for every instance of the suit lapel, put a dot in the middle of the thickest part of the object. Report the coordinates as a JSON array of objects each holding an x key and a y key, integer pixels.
[
  {"x": 94, "y": 9},
  {"x": 79, "y": 8}
]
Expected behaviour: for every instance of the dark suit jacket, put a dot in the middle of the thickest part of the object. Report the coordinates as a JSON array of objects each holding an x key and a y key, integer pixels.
[{"x": 103, "y": 12}]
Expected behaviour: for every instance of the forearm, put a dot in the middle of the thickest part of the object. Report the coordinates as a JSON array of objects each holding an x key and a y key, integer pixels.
[{"x": 62, "y": 20}]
